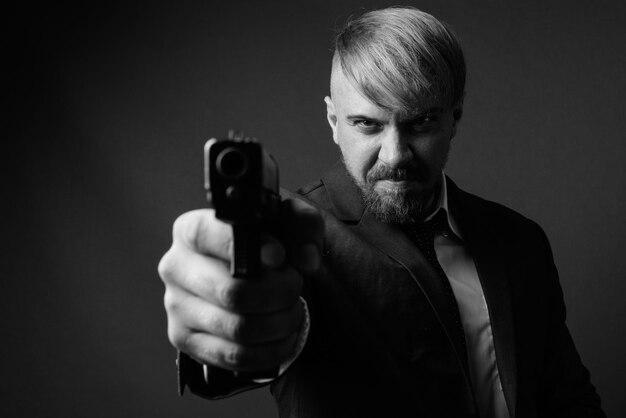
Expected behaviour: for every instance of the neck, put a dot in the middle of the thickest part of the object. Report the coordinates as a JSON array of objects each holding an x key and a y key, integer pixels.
[{"x": 432, "y": 202}]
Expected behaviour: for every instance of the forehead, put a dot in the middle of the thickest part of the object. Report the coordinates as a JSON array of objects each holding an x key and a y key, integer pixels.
[{"x": 350, "y": 100}]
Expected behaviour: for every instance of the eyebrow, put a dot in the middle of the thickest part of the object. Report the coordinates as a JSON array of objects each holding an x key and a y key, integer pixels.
[
  {"x": 404, "y": 118},
  {"x": 359, "y": 117}
]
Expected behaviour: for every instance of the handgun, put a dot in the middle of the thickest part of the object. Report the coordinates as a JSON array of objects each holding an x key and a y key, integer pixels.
[{"x": 242, "y": 186}]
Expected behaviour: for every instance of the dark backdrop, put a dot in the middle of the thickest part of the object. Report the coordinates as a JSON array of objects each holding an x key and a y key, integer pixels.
[{"x": 110, "y": 106}]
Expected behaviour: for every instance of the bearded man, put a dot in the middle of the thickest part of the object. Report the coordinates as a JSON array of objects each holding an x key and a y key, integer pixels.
[{"x": 392, "y": 292}]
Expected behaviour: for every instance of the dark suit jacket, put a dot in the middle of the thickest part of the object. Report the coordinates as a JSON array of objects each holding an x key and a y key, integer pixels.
[{"x": 382, "y": 341}]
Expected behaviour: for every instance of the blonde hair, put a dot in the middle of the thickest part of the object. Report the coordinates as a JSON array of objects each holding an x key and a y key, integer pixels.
[{"x": 401, "y": 59}]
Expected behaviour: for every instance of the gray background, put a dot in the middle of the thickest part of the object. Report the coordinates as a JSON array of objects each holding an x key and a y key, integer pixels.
[{"x": 111, "y": 105}]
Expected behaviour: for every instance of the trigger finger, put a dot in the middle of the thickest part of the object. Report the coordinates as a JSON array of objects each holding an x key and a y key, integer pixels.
[{"x": 272, "y": 252}]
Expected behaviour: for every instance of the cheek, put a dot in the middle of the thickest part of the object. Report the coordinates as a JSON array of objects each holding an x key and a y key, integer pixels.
[
  {"x": 358, "y": 156},
  {"x": 434, "y": 150},
  {"x": 439, "y": 150},
  {"x": 352, "y": 156}
]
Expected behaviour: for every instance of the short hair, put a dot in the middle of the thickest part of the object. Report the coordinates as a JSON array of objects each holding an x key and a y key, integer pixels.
[{"x": 401, "y": 58}]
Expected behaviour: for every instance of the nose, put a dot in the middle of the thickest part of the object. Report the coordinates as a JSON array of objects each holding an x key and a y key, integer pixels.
[{"x": 395, "y": 151}]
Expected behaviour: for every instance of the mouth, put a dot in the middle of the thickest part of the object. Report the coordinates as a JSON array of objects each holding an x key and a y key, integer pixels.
[{"x": 396, "y": 185}]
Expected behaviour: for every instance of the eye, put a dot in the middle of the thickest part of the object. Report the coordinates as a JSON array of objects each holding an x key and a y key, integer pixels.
[
  {"x": 367, "y": 125},
  {"x": 424, "y": 123}
]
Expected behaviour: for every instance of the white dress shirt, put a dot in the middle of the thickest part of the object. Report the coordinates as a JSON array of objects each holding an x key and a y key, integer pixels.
[{"x": 458, "y": 264}]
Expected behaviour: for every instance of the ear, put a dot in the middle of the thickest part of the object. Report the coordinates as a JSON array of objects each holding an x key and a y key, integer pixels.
[
  {"x": 331, "y": 116},
  {"x": 457, "y": 113}
]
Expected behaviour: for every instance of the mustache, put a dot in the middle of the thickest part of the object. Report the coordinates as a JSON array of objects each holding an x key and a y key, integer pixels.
[{"x": 383, "y": 172}]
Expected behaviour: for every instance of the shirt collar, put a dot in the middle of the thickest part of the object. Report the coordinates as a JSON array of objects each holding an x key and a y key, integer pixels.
[{"x": 443, "y": 204}]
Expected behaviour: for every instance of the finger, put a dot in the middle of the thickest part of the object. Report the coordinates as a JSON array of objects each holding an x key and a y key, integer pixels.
[
  {"x": 197, "y": 274},
  {"x": 211, "y": 349},
  {"x": 210, "y": 280},
  {"x": 273, "y": 252},
  {"x": 273, "y": 291},
  {"x": 303, "y": 233},
  {"x": 200, "y": 316},
  {"x": 201, "y": 232}
]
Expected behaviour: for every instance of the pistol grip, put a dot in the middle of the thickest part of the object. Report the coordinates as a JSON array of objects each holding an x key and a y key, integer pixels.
[{"x": 246, "y": 263}]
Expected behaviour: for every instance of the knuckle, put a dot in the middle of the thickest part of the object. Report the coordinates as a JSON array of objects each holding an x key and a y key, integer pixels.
[
  {"x": 166, "y": 267},
  {"x": 192, "y": 279},
  {"x": 210, "y": 236},
  {"x": 223, "y": 244},
  {"x": 173, "y": 301},
  {"x": 189, "y": 226},
  {"x": 180, "y": 225},
  {"x": 200, "y": 235},
  {"x": 178, "y": 336},
  {"x": 231, "y": 295},
  {"x": 210, "y": 321},
  {"x": 236, "y": 328},
  {"x": 207, "y": 353},
  {"x": 169, "y": 301},
  {"x": 235, "y": 355}
]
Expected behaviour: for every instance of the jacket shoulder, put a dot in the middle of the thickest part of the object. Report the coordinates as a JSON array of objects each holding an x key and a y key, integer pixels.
[
  {"x": 498, "y": 216},
  {"x": 314, "y": 193}
]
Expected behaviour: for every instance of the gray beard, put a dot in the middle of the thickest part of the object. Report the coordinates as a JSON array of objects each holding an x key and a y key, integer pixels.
[{"x": 396, "y": 207}]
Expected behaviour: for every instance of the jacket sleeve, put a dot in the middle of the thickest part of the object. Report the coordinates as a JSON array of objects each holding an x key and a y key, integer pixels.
[{"x": 566, "y": 387}]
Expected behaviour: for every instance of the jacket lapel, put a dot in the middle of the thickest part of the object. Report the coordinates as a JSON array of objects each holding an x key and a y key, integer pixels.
[
  {"x": 390, "y": 239},
  {"x": 397, "y": 245},
  {"x": 487, "y": 250},
  {"x": 344, "y": 195}
]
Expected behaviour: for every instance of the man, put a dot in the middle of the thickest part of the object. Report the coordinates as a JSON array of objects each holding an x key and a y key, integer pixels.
[{"x": 363, "y": 312}]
